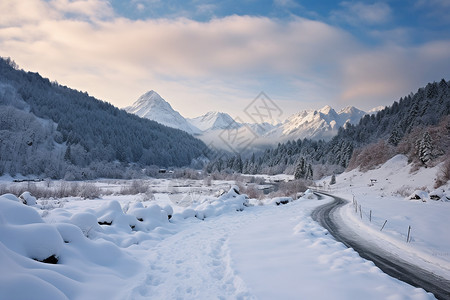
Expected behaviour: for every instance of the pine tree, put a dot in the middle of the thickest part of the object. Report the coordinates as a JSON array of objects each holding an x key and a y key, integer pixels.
[
  {"x": 237, "y": 164},
  {"x": 333, "y": 179},
  {"x": 67, "y": 155},
  {"x": 300, "y": 169},
  {"x": 425, "y": 148},
  {"x": 309, "y": 172},
  {"x": 394, "y": 138}
]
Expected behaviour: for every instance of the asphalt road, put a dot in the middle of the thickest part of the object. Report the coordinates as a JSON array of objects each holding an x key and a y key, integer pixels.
[{"x": 393, "y": 266}]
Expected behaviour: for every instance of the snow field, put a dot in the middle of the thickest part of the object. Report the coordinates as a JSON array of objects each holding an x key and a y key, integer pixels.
[
  {"x": 283, "y": 254},
  {"x": 212, "y": 248}
]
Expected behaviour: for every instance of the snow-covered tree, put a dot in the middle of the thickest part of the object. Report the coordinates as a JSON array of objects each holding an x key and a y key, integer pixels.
[
  {"x": 300, "y": 170},
  {"x": 333, "y": 179},
  {"x": 425, "y": 148}
]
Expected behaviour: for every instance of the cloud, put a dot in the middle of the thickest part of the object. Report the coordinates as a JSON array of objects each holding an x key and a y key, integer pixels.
[
  {"x": 90, "y": 9},
  {"x": 215, "y": 65},
  {"x": 356, "y": 13},
  {"x": 436, "y": 10},
  {"x": 388, "y": 73},
  {"x": 287, "y": 3}
]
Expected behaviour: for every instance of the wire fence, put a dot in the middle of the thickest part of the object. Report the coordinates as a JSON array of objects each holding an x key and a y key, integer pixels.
[{"x": 381, "y": 223}]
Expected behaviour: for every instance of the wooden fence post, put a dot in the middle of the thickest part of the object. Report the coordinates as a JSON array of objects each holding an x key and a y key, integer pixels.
[
  {"x": 409, "y": 231},
  {"x": 383, "y": 225}
]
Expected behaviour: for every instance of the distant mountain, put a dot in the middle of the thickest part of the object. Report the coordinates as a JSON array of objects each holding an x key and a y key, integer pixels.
[
  {"x": 217, "y": 127},
  {"x": 51, "y": 130},
  {"x": 417, "y": 125},
  {"x": 153, "y": 107},
  {"x": 214, "y": 120},
  {"x": 212, "y": 127},
  {"x": 376, "y": 109},
  {"x": 315, "y": 124},
  {"x": 352, "y": 115}
]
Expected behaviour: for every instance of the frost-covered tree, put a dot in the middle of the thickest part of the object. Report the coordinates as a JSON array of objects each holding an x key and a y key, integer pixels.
[
  {"x": 300, "y": 170},
  {"x": 395, "y": 137},
  {"x": 309, "y": 172},
  {"x": 333, "y": 179},
  {"x": 425, "y": 148}
]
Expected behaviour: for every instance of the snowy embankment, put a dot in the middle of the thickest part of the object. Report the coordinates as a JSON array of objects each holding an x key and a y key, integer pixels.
[
  {"x": 216, "y": 248},
  {"x": 383, "y": 213}
]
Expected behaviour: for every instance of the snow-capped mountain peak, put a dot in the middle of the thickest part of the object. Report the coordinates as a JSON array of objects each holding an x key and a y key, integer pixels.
[
  {"x": 376, "y": 109},
  {"x": 146, "y": 103},
  {"x": 327, "y": 110},
  {"x": 350, "y": 114},
  {"x": 152, "y": 106},
  {"x": 316, "y": 124},
  {"x": 214, "y": 120}
]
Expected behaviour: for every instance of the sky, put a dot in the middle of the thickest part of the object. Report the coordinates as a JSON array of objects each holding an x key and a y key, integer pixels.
[{"x": 205, "y": 56}]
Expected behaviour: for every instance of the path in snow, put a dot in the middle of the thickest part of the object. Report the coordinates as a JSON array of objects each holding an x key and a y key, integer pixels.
[
  {"x": 263, "y": 253},
  {"x": 194, "y": 264}
]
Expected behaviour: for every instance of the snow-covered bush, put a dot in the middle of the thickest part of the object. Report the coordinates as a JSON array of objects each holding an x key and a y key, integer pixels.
[
  {"x": 419, "y": 195},
  {"x": 436, "y": 194},
  {"x": 87, "y": 222},
  {"x": 27, "y": 199},
  {"x": 111, "y": 214},
  {"x": 231, "y": 201},
  {"x": 309, "y": 194},
  {"x": 149, "y": 217},
  {"x": 23, "y": 231},
  {"x": 279, "y": 200},
  {"x": 169, "y": 210}
]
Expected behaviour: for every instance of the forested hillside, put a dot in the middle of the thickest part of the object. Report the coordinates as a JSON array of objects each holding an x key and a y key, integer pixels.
[
  {"x": 49, "y": 129},
  {"x": 416, "y": 125}
]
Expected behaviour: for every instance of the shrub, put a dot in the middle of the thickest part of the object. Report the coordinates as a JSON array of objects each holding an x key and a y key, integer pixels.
[
  {"x": 89, "y": 191},
  {"x": 252, "y": 192},
  {"x": 291, "y": 188},
  {"x": 371, "y": 156},
  {"x": 444, "y": 173}
]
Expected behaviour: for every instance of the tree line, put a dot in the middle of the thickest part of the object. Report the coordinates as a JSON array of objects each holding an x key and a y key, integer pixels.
[
  {"x": 51, "y": 130},
  {"x": 396, "y": 126}
]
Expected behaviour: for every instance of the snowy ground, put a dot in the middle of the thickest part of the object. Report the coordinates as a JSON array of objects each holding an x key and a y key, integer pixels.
[
  {"x": 385, "y": 202},
  {"x": 213, "y": 247}
]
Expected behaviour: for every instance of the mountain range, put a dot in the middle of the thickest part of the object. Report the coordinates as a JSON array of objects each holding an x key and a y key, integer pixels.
[{"x": 212, "y": 127}]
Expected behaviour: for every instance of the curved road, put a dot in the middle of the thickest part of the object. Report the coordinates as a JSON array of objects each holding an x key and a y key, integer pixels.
[{"x": 393, "y": 266}]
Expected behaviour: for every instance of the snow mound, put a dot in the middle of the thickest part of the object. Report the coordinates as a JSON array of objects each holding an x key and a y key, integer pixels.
[
  {"x": 87, "y": 222},
  {"x": 419, "y": 195},
  {"x": 309, "y": 194},
  {"x": 28, "y": 199},
  {"x": 278, "y": 200},
  {"x": 23, "y": 231},
  {"x": 439, "y": 195},
  {"x": 111, "y": 214},
  {"x": 149, "y": 217},
  {"x": 13, "y": 212},
  {"x": 29, "y": 248},
  {"x": 231, "y": 201}
]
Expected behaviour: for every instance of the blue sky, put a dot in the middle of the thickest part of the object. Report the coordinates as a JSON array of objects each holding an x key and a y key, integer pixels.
[
  {"x": 423, "y": 20},
  {"x": 207, "y": 55}
]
